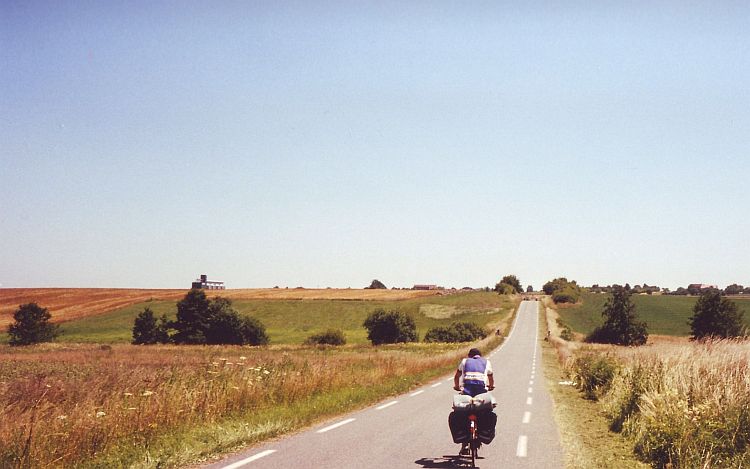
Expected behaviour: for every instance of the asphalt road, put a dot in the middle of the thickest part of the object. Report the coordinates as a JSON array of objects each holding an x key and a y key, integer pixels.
[{"x": 411, "y": 430}]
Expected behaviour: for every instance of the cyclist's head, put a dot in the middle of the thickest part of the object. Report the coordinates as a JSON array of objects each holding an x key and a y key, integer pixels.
[{"x": 474, "y": 352}]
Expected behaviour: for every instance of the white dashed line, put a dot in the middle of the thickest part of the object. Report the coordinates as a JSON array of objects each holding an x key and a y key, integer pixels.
[
  {"x": 526, "y": 417},
  {"x": 385, "y": 406},
  {"x": 531, "y": 383},
  {"x": 436, "y": 385},
  {"x": 335, "y": 425},
  {"x": 521, "y": 450},
  {"x": 255, "y": 457},
  {"x": 416, "y": 393},
  {"x": 528, "y": 400},
  {"x": 531, "y": 390}
]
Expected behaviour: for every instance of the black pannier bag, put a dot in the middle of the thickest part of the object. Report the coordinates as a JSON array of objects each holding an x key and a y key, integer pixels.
[
  {"x": 486, "y": 422},
  {"x": 459, "y": 425}
]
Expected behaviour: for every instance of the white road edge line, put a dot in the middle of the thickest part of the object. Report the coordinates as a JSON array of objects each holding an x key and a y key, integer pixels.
[
  {"x": 387, "y": 405},
  {"x": 521, "y": 449},
  {"x": 526, "y": 417},
  {"x": 436, "y": 385},
  {"x": 242, "y": 462},
  {"x": 335, "y": 425},
  {"x": 416, "y": 393}
]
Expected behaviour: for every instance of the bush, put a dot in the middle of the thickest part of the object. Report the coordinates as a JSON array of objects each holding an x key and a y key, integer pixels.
[
  {"x": 329, "y": 337},
  {"x": 594, "y": 374},
  {"x": 716, "y": 316},
  {"x": 456, "y": 332},
  {"x": 32, "y": 326},
  {"x": 562, "y": 291},
  {"x": 509, "y": 285},
  {"x": 200, "y": 321},
  {"x": 376, "y": 285},
  {"x": 390, "y": 327},
  {"x": 148, "y": 331}
]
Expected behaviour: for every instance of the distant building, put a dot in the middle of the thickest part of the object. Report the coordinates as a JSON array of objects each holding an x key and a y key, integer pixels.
[
  {"x": 701, "y": 286},
  {"x": 205, "y": 284},
  {"x": 425, "y": 287}
]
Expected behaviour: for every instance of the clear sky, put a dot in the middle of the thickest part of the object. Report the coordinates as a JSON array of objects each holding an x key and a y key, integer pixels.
[{"x": 329, "y": 143}]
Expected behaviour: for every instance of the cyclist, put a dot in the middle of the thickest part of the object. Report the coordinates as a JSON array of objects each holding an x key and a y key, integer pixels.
[{"x": 475, "y": 373}]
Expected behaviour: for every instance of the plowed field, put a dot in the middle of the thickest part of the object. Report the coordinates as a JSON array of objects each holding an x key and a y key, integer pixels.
[{"x": 66, "y": 304}]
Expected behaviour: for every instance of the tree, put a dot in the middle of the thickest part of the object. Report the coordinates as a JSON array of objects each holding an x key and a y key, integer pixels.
[
  {"x": 390, "y": 327},
  {"x": 200, "y": 321},
  {"x": 733, "y": 289},
  {"x": 715, "y": 315},
  {"x": 226, "y": 326},
  {"x": 562, "y": 291},
  {"x": 510, "y": 280},
  {"x": 529, "y": 289},
  {"x": 329, "y": 337},
  {"x": 192, "y": 318},
  {"x": 147, "y": 331},
  {"x": 621, "y": 325},
  {"x": 456, "y": 332},
  {"x": 376, "y": 285},
  {"x": 32, "y": 326}
]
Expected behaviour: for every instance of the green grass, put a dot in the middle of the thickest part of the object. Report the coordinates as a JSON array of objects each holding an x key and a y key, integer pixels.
[
  {"x": 664, "y": 314},
  {"x": 292, "y": 321}
]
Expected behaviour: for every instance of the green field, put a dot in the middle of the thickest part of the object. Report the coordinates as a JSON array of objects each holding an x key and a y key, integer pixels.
[
  {"x": 292, "y": 321},
  {"x": 664, "y": 314}
]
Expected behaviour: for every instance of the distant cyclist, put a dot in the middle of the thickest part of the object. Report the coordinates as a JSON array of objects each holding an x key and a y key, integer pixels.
[{"x": 475, "y": 373}]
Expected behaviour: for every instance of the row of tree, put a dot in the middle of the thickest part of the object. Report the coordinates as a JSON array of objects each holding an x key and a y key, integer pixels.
[{"x": 695, "y": 290}]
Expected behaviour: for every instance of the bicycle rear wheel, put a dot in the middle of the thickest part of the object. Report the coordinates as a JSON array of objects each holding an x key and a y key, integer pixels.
[{"x": 473, "y": 447}]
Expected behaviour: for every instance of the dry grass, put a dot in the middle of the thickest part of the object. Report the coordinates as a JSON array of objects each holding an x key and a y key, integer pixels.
[
  {"x": 66, "y": 304},
  {"x": 61, "y": 406},
  {"x": 692, "y": 403}
]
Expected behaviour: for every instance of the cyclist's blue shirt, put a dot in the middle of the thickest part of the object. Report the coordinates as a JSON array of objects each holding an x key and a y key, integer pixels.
[{"x": 475, "y": 369}]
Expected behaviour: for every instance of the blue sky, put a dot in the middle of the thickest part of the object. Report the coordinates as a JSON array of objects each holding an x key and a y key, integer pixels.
[{"x": 330, "y": 143}]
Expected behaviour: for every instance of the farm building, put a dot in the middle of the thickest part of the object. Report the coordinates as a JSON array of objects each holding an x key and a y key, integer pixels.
[
  {"x": 701, "y": 286},
  {"x": 425, "y": 287},
  {"x": 205, "y": 284}
]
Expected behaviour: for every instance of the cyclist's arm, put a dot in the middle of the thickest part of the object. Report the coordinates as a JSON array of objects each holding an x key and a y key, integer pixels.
[
  {"x": 455, "y": 380},
  {"x": 491, "y": 379}
]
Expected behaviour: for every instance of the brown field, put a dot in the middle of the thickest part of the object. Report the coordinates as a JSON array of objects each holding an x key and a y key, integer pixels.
[{"x": 66, "y": 304}]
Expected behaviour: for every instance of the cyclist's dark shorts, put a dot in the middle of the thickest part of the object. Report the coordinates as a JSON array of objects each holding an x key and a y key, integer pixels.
[{"x": 474, "y": 389}]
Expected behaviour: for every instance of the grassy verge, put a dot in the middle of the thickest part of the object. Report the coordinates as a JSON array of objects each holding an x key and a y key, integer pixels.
[{"x": 584, "y": 429}]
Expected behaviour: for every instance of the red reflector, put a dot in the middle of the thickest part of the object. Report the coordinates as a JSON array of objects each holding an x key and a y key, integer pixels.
[{"x": 472, "y": 417}]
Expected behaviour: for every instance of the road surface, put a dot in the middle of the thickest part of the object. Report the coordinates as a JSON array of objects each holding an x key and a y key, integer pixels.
[{"x": 411, "y": 430}]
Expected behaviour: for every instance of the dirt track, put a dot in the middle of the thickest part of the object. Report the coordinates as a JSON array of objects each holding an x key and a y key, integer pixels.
[{"x": 66, "y": 304}]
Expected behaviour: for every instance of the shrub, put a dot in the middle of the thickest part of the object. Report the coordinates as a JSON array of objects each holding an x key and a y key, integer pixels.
[
  {"x": 565, "y": 332},
  {"x": 32, "y": 326},
  {"x": 376, "y": 285},
  {"x": 200, "y": 321},
  {"x": 715, "y": 315},
  {"x": 456, "y": 332},
  {"x": 390, "y": 327},
  {"x": 329, "y": 337},
  {"x": 147, "y": 331},
  {"x": 562, "y": 290},
  {"x": 594, "y": 374},
  {"x": 509, "y": 285}
]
